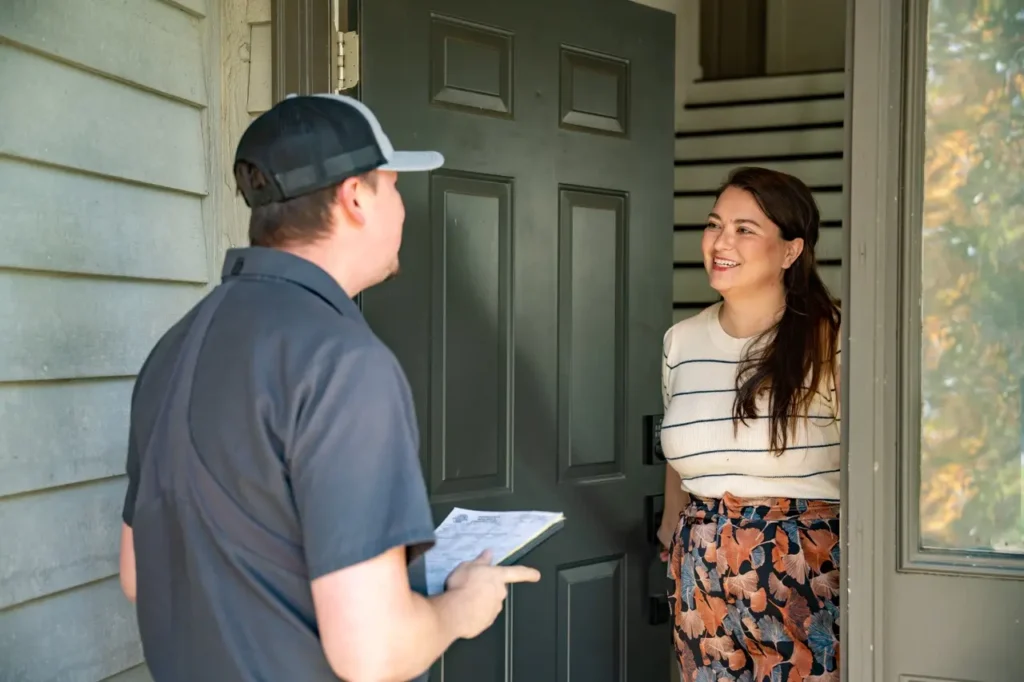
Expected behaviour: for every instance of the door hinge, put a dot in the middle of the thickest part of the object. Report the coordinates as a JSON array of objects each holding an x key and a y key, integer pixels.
[{"x": 348, "y": 60}]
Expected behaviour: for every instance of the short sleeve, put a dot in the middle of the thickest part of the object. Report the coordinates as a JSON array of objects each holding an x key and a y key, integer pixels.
[
  {"x": 133, "y": 465},
  {"x": 354, "y": 464},
  {"x": 132, "y": 469}
]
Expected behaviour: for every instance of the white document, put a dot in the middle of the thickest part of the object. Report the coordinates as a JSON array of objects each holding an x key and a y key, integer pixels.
[{"x": 465, "y": 533}]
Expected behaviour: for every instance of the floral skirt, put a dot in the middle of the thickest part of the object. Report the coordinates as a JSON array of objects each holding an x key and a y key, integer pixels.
[{"x": 756, "y": 595}]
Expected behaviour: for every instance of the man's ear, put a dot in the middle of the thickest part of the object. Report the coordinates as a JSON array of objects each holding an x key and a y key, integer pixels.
[
  {"x": 793, "y": 250},
  {"x": 348, "y": 200}
]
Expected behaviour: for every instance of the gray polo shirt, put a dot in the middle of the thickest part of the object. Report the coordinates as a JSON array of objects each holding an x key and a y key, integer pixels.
[{"x": 273, "y": 440}]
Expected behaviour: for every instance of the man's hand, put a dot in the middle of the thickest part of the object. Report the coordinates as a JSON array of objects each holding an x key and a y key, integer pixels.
[{"x": 478, "y": 591}]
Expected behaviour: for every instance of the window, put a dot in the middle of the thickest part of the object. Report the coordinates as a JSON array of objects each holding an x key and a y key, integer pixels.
[{"x": 970, "y": 473}]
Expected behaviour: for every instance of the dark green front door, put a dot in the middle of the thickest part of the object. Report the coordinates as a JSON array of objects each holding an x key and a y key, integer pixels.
[{"x": 534, "y": 293}]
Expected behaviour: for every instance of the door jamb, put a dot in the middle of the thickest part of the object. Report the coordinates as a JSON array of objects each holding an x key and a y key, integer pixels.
[
  {"x": 303, "y": 43},
  {"x": 874, "y": 95}
]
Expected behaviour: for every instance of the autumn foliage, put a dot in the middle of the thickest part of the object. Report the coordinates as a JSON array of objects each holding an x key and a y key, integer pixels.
[{"x": 973, "y": 277}]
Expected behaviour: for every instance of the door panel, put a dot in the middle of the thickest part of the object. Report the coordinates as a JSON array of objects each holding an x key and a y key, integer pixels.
[
  {"x": 934, "y": 447},
  {"x": 534, "y": 293},
  {"x": 471, "y": 230},
  {"x": 591, "y": 294}
]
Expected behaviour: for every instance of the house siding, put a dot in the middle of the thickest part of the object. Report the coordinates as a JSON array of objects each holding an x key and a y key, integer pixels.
[
  {"x": 259, "y": 96},
  {"x": 116, "y": 203}
]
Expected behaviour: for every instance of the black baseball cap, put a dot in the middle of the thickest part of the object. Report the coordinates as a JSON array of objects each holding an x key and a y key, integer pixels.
[{"x": 309, "y": 142}]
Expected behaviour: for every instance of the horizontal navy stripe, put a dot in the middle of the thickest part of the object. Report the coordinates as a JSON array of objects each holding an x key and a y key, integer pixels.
[
  {"x": 698, "y": 360},
  {"x": 709, "y": 360},
  {"x": 816, "y": 473},
  {"x": 826, "y": 398},
  {"x": 709, "y": 390},
  {"x": 725, "y": 419},
  {"x": 753, "y": 451}
]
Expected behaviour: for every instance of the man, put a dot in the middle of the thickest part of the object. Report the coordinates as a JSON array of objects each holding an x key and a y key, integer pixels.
[{"x": 275, "y": 495}]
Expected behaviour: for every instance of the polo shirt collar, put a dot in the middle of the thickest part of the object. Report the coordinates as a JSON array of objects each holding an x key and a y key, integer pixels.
[{"x": 265, "y": 263}]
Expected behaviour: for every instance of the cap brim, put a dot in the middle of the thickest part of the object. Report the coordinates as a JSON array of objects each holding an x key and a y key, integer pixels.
[{"x": 414, "y": 161}]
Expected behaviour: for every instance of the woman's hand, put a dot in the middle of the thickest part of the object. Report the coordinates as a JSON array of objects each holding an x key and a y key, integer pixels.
[
  {"x": 665, "y": 535},
  {"x": 675, "y": 501}
]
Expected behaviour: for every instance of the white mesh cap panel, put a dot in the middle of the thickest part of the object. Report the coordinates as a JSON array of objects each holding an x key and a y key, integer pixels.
[{"x": 402, "y": 161}]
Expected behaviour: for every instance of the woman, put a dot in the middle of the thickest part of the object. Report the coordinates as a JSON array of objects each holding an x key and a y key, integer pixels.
[{"x": 751, "y": 437}]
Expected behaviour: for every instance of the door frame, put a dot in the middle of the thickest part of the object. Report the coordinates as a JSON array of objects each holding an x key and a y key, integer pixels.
[
  {"x": 303, "y": 58},
  {"x": 876, "y": 130},
  {"x": 303, "y": 44}
]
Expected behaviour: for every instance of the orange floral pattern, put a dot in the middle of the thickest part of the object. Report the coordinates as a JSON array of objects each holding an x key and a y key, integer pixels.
[{"x": 756, "y": 595}]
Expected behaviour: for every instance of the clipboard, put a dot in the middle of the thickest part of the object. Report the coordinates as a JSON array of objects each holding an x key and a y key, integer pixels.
[
  {"x": 520, "y": 553},
  {"x": 465, "y": 533}
]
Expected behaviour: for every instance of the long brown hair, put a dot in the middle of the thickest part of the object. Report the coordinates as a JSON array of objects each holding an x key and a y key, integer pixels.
[{"x": 802, "y": 346}]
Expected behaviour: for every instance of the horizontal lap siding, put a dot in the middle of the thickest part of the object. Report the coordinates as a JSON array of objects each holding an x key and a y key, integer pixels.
[
  {"x": 260, "y": 95},
  {"x": 104, "y": 190},
  {"x": 58, "y": 539},
  {"x": 84, "y": 327},
  {"x": 87, "y": 633},
  {"x": 39, "y": 421},
  {"x": 60, "y": 115},
  {"x": 64, "y": 221},
  {"x": 147, "y": 43}
]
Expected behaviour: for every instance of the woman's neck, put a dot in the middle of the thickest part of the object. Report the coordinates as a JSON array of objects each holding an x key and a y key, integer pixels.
[{"x": 747, "y": 315}]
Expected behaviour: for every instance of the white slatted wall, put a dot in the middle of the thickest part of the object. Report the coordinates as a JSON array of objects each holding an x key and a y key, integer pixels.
[{"x": 789, "y": 123}]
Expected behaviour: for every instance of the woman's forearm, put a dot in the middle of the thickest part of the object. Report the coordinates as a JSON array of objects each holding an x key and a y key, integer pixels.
[{"x": 675, "y": 502}]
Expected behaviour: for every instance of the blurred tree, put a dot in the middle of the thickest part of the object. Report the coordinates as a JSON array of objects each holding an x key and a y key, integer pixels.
[{"x": 973, "y": 277}]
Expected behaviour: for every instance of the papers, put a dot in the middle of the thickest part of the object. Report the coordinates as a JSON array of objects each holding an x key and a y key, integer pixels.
[{"x": 465, "y": 533}]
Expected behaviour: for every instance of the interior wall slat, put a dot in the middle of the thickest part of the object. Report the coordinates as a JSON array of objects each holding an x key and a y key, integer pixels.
[
  {"x": 761, "y": 145},
  {"x": 84, "y": 634},
  {"x": 680, "y": 314},
  {"x": 694, "y": 210},
  {"x": 832, "y": 277},
  {"x": 72, "y": 327},
  {"x": 64, "y": 116},
  {"x": 763, "y": 115},
  {"x": 686, "y": 246},
  {"x": 64, "y": 221},
  {"x": 158, "y": 46},
  {"x": 830, "y": 244},
  {"x": 59, "y": 433},
  {"x": 58, "y": 539},
  {"x": 745, "y": 89},
  {"x": 690, "y": 285},
  {"x": 814, "y": 173}
]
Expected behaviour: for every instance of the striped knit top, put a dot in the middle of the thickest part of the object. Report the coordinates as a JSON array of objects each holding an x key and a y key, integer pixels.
[{"x": 698, "y": 437}]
